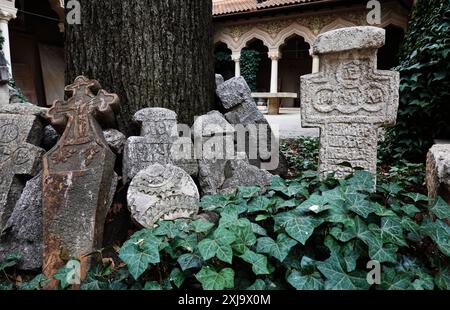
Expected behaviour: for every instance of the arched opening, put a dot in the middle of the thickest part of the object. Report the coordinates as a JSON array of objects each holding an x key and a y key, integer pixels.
[
  {"x": 223, "y": 64},
  {"x": 255, "y": 65},
  {"x": 295, "y": 61},
  {"x": 388, "y": 55},
  {"x": 38, "y": 60}
]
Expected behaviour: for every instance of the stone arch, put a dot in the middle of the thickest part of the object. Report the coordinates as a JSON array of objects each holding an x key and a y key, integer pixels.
[
  {"x": 255, "y": 33},
  {"x": 395, "y": 19},
  {"x": 226, "y": 39},
  {"x": 337, "y": 24},
  {"x": 294, "y": 29}
]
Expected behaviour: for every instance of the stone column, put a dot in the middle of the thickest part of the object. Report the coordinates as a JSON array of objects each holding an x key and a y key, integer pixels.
[
  {"x": 236, "y": 57},
  {"x": 274, "y": 55},
  {"x": 316, "y": 64},
  {"x": 7, "y": 12}
]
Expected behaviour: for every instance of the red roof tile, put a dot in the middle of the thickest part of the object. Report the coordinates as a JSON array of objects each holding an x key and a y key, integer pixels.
[{"x": 223, "y": 7}]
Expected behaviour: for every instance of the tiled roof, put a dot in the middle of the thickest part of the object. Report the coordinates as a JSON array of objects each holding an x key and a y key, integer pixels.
[{"x": 223, "y": 7}]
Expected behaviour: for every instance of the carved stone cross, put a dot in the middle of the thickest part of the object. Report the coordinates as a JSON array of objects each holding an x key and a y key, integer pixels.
[
  {"x": 349, "y": 99},
  {"x": 78, "y": 176},
  {"x": 19, "y": 157}
]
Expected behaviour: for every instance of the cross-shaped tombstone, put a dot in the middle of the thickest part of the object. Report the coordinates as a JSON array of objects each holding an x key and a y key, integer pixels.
[
  {"x": 349, "y": 99},
  {"x": 78, "y": 176}
]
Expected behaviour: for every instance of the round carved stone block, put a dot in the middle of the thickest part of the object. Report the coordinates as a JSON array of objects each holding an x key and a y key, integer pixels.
[{"x": 162, "y": 192}]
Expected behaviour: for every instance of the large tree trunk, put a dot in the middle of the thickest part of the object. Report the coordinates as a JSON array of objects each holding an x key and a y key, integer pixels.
[{"x": 152, "y": 53}]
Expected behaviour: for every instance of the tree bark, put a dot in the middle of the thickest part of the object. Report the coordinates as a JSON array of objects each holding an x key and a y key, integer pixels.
[{"x": 152, "y": 53}]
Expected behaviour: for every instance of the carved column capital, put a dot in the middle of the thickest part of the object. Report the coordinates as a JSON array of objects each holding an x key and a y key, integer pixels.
[
  {"x": 274, "y": 54},
  {"x": 8, "y": 10}
]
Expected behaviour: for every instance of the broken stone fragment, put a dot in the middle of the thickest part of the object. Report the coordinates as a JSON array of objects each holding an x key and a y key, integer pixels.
[
  {"x": 438, "y": 171},
  {"x": 162, "y": 192},
  {"x": 23, "y": 232},
  {"x": 115, "y": 139}
]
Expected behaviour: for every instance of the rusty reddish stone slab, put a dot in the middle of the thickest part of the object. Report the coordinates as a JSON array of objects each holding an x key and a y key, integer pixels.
[{"x": 77, "y": 177}]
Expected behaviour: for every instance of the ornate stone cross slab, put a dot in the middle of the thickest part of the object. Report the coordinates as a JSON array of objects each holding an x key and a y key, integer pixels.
[
  {"x": 349, "y": 99},
  {"x": 18, "y": 157},
  {"x": 78, "y": 176}
]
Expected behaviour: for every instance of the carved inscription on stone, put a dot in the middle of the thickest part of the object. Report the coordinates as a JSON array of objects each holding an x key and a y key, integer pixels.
[
  {"x": 78, "y": 176},
  {"x": 162, "y": 192},
  {"x": 349, "y": 99},
  {"x": 18, "y": 157}
]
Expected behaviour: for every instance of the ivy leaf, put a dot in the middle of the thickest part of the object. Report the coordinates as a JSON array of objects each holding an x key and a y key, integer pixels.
[
  {"x": 442, "y": 278},
  {"x": 258, "y": 261},
  {"x": 309, "y": 282},
  {"x": 278, "y": 184},
  {"x": 177, "y": 277},
  {"x": 314, "y": 203},
  {"x": 262, "y": 217},
  {"x": 441, "y": 209},
  {"x": 212, "y": 280},
  {"x": 245, "y": 237},
  {"x": 249, "y": 192},
  {"x": 228, "y": 216},
  {"x": 413, "y": 229},
  {"x": 91, "y": 283},
  {"x": 166, "y": 228},
  {"x": 440, "y": 233},
  {"x": 258, "y": 204},
  {"x": 416, "y": 197},
  {"x": 258, "y": 230},
  {"x": 189, "y": 261},
  {"x": 296, "y": 188},
  {"x": 219, "y": 246},
  {"x": 382, "y": 211},
  {"x": 37, "y": 283},
  {"x": 6, "y": 286},
  {"x": 259, "y": 285},
  {"x": 202, "y": 226},
  {"x": 10, "y": 260},
  {"x": 357, "y": 203},
  {"x": 410, "y": 209},
  {"x": 212, "y": 203},
  {"x": 152, "y": 286},
  {"x": 67, "y": 274},
  {"x": 338, "y": 279},
  {"x": 393, "y": 280},
  {"x": 392, "y": 231},
  {"x": 297, "y": 226},
  {"x": 377, "y": 250},
  {"x": 279, "y": 249},
  {"x": 362, "y": 181},
  {"x": 140, "y": 251}
]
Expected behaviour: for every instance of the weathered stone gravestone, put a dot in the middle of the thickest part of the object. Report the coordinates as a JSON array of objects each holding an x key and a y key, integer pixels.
[
  {"x": 162, "y": 192},
  {"x": 349, "y": 99},
  {"x": 221, "y": 169},
  {"x": 77, "y": 177},
  {"x": 158, "y": 135},
  {"x": 438, "y": 172},
  {"x": 261, "y": 144},
  {"x": 214, "y": 146},
  {"x": 20, "y": 158},
  {"x": 23, "y": 230}
]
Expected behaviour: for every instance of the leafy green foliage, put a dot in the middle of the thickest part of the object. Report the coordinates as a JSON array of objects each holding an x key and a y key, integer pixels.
[
  {"x": 302, "y": 234},
  {"x": 424, "y": 111},
  {"x": 301, "y": 154},
  {"x": 250, "y": 61}
]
